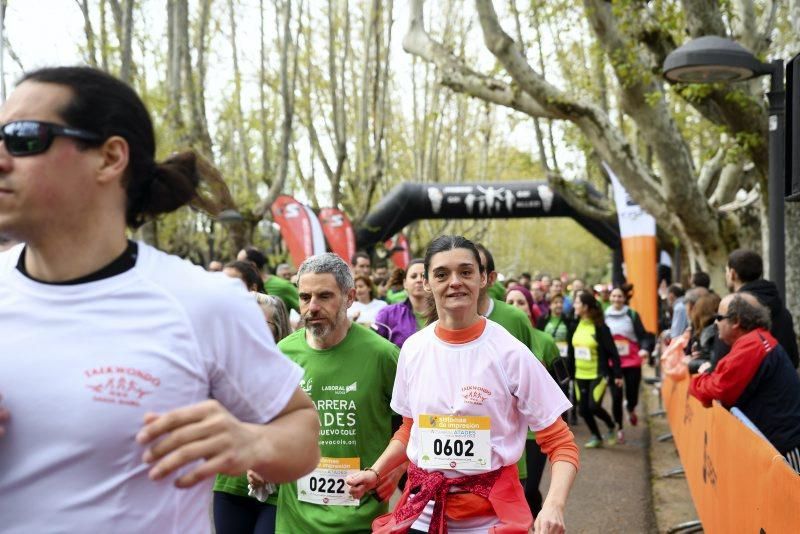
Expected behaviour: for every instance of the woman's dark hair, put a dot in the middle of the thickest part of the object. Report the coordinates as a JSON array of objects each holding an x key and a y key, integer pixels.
[
  {"x": 104, "y": 105},
  {"x": 249, "y": 273},
  {"x": 593, "y": 309},
  {"x": 450, "y": 242},
  {"x": 367, "y": 282},
  {"x": 627, "y": 291},
  {"x": 415, "y": 261},
  {"x": 255, "y": 256}
]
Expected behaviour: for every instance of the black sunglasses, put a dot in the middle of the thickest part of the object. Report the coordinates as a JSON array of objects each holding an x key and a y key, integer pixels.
[
  {"x": 719, "y": 317},
  {"x": 26, "y": 138}
]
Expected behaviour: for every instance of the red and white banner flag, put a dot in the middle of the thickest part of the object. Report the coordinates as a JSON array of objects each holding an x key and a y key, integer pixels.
[
  {"x": 300, "y": 228},
  {"x": 402, "y": 255},
  {"x": 339, "y": 232}
]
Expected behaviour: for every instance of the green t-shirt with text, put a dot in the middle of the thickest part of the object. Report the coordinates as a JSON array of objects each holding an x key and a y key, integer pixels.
[
  {"x": 351, "y": 386},
  {"x": 284, "y": 290}
]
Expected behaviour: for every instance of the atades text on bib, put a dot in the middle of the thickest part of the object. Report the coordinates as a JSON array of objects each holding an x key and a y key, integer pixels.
[
  {"x": 325, "y": 485},
  {"x": 459, "y": 442}
]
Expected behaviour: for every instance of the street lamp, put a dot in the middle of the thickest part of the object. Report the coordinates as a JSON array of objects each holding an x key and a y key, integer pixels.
[
  {"x": 713, "y": 59},
  {"x": 229, "y": 216}
]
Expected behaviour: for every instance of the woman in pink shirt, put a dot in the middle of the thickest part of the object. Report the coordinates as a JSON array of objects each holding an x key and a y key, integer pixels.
[{"x": 468, "y": 392}]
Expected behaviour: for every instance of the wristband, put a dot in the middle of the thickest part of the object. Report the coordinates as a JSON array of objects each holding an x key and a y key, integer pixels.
[{"x": 377, "y": 475}]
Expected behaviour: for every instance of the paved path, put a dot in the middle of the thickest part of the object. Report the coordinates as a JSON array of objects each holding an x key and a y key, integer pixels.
[{"x": 612, "y": 491}]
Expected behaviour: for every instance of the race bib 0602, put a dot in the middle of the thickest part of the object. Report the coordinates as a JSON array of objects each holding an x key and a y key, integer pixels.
[
  {"x": 325, "y": 485},
  {"x": 455, "y": 442},
  {"x": 623, "y": 347},
  {"x": 583, "y": 353}
]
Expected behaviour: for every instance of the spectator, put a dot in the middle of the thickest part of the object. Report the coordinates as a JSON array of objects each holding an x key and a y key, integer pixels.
[
  {"x": 603, "y": 295},
  {"x": 394, "y": 288},
  {"x": 273, "y": 285},
  {"x": 380, "y": 272},
  {"x": 705, "y": 336},
  {"x": 546, "y": 281},
  {"x": 701, "y": 279},
  {"x": 214, "y": 266},
  {"x": 284, "y": 270},
  {"x": 361, "y": 264},
  {"x": 756, "y": 376},
  {"x": 675, "y": 299},
  {"x": 744, "y": 274},
  {"x": 539, "y": 297},
  {"x": 557, "y": 288},
  {"x": 365, "y": 306},
  {"x": 525, "y": 280},
  {"x": 246, "y": 272}
]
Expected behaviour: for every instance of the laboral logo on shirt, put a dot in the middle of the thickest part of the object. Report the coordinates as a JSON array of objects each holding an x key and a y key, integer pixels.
[
  {"x": 307, "y": 385},
  {"x": 475, "y": 394},
  {"x": 341, "y": 390},
  {"x": 120, "y": 385}
]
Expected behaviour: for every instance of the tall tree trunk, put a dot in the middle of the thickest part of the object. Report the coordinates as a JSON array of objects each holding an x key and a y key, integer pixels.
[
  {"x": 91, "y": 48},
  {"x": 126, "y": 44},
  {"x": 200, "y": 136},
  {"x": 288, "y": 78},
  {"x": 243, "y": 145}
]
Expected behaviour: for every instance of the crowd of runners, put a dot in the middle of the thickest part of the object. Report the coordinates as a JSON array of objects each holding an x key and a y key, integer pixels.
[{"x": 312, "y": 397}]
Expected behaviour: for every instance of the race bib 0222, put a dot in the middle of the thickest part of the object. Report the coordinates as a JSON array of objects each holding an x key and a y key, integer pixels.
[{"x": 325, "y": 485}]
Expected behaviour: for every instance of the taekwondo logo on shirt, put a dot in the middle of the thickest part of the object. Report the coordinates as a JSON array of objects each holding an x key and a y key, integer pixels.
[
  {"x": 120, "y": 385},
  {"x": 341, "y": 390},
  {"x": 475, "y": 394}
]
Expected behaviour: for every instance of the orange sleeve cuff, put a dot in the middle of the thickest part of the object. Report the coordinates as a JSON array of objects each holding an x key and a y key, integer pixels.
[
  {"x": 558, "y": 443},
  {"x": 403, "y": 433}
]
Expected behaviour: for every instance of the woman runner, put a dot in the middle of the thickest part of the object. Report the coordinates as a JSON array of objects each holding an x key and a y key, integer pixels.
[
  {"x": 366, "y": 307},
  {"x": 468, "y": 392},
  {"x": 591, "y": 348},
  {"x": 398, "y": 321},
  {"x": 633, "y": 343}
]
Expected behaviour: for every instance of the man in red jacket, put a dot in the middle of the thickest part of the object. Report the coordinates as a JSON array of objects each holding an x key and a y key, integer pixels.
[{"x": 756, "y": 375}]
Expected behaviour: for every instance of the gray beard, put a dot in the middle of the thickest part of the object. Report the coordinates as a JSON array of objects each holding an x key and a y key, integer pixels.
[{"x": 321, "y": 331}]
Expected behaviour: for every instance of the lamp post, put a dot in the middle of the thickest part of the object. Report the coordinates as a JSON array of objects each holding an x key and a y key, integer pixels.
[{"x": 712, "y": 59}]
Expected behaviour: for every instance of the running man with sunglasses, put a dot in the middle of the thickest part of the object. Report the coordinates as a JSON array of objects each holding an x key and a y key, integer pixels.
[{"x": 125, "y": 373}]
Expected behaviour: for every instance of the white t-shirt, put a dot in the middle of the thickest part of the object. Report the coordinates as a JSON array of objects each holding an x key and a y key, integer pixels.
[
  {"x": 81, "y": 364},
  {"x": 494, "y": 375},
  {"x": 366, "y": 312}
]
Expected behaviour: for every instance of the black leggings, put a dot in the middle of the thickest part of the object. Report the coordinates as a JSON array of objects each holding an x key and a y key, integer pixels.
[
  {"x": 632, "y": 377},
  {"x": 536, "y": 461},
  {"x": 590, "y": 402},
  {"x": 242, "y": 515}
]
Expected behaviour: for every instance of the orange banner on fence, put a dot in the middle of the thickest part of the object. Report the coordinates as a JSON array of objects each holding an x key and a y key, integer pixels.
[{"x": 739, "y": 482}]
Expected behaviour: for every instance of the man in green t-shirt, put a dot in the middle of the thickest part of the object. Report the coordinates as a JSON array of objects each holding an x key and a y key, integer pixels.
[
  {"x": 349, "y": 374},
  {"x": 542, "y": 346},
  {"x": 273, "y": 285}
]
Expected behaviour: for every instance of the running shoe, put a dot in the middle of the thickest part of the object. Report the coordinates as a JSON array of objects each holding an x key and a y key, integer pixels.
[
  {"x": 611, "y": 437},
  {"x": 633, "y": 419},
  {"x": 620, "y": 436},
  {"x": 594, "y": 443}
]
